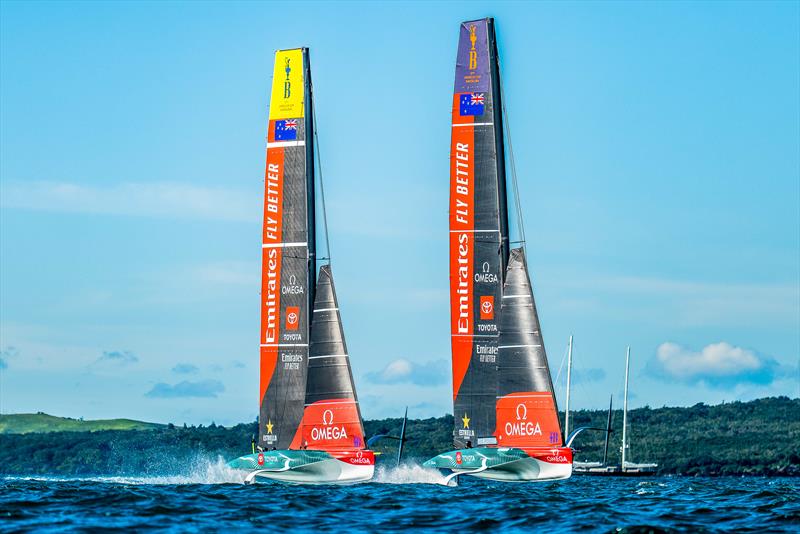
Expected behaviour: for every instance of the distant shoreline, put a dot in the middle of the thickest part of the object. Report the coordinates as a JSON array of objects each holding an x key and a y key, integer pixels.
[{"x": 756, "y": 438}]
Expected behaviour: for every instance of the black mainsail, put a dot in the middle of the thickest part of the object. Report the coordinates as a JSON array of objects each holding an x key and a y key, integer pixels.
[
  {"x": 498, "y": 354},
  {"x": 288, "y": 249},
  {"x": 307, "y": 395},
  {"x": 478, "y": 232}
]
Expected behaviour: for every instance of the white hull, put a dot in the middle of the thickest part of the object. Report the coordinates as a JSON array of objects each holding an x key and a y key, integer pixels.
[
  {"x": 524, "y": 470},
  {"x": 330, "y": 471}
]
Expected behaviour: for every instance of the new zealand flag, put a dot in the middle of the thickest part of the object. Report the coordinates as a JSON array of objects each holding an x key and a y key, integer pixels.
[
  {"x": 471, "y": 104},
  {"x": 286, "y": 130}
]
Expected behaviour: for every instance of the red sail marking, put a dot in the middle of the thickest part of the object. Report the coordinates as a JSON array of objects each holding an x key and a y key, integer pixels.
[
  {"x": 527, "y": 419},
  {"x": 462, "y": 243},
  {"x": 331, "y": 424},
  {"x": 271, "y": 263}
]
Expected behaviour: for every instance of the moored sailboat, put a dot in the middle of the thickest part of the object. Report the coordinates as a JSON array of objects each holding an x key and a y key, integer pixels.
[
  {"x": 506, "y": 420},
  {"x": 310, "y": 425},
  {"x": 625, "y": 468}
]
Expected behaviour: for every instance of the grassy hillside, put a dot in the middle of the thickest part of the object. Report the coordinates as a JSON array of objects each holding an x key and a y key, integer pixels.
[{"x": 27, "y": 423}]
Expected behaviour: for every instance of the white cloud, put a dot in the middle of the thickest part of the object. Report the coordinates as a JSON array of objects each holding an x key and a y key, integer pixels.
[
  {"x": 718, "y": 365},
  {"x": 159, "y": 199}
]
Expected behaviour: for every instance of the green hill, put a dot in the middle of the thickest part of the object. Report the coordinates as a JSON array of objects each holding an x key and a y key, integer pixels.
[{"x": 28, "y": 423}]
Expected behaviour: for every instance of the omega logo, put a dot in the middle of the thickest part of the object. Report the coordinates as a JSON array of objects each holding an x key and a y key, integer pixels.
[{"x": 327, "y": 417}]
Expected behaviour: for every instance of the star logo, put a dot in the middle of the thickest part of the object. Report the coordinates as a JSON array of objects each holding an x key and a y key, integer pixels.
[
  {"x": 465, "y": 420},
  {"x": 269, "y": 426}
]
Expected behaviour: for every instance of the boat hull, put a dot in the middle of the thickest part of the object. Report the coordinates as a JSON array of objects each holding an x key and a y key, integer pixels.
[
  {"x": 306, "y": 466},
  {"x": 507, "y": 464}
]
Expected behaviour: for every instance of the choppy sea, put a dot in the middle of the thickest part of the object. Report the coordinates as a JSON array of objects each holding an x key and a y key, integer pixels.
[{"x": 212, "y": 498}]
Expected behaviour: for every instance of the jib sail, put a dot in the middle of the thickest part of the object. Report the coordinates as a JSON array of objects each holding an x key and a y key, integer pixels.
[
  {"x": 527, "y": 415},
  {"x": 288, "y": 251},
  {"x": 478, "y": 232},
  {"x": 332, "y": 419}
]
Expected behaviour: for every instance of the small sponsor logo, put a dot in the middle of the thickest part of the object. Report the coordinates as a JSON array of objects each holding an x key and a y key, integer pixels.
[
  {"x": 360, "y": 459},
  {"x": 292, "y": 317},
  {"x": 473, "y": 54},
  {"x": 486, "y": 276},
  {"x": 458, "y": 457},
  {"x": 260, "y": 458},
  {"x": 487, "y": 307},
  {"x": 287, "y": 85},
  {"x": 293, "y": 288},
  {"x": 327, "y": 417}
]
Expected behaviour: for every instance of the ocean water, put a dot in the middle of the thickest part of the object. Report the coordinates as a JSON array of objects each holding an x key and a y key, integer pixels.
[{"x": 213, "y": 498}]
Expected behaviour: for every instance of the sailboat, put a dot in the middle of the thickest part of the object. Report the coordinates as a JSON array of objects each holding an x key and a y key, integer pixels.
[
  {"x": 310, "y": 428},
  {"x": 625, "y": 468},
  {"x": 506, "y": 420}
]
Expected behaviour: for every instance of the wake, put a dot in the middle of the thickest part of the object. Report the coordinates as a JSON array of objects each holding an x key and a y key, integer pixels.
[
  {"x": 407, "y": 474},
  {"x": 216, "y": 471},
  {"x": 202, "y": 471}
]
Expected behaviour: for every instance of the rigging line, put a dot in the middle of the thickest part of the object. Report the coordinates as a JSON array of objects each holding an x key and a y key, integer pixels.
[
  {"x": 560, "y": 367},
  {"x": 321, "y": 181},
  {"x": 507, "y": 129}
]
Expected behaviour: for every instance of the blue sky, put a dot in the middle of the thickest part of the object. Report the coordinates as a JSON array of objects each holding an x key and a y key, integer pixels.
[{"x": 657, "y": 147}]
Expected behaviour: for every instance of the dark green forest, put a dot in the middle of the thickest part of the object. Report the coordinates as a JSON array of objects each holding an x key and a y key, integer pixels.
[{"x": 760, "y": 437}]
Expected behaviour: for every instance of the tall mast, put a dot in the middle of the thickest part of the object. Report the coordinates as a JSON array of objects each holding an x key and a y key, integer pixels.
[
  {"x": 625, "y": 407},
  {"x": 311, "y": 211},
  {"x": 608, "y": 431},
  {"x": 569, "y": 383},
  {"x": 497, "y": 119}
]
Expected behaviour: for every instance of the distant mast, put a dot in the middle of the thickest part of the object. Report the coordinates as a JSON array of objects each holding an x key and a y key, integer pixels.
[
  {"x": 569, "y": 384},
  {"x": 625, "y": 408}
]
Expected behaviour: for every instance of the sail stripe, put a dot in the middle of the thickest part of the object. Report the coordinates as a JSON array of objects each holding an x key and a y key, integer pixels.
[
  {"x": 277, "y": 144},
  {"x": 283, "y": 245},
  {"x": 284, "y": 344},
  {"x": 327, "y": 356},
  {"x": 458, "y": 125},
  {"x": 332, "y": 402}
]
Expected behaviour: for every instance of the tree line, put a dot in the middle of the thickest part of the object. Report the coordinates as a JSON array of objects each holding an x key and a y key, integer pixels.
[{"x": 740, "y": 438}]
